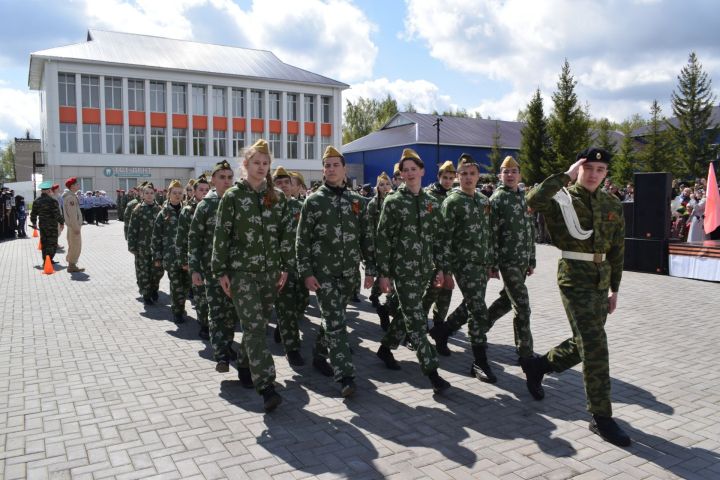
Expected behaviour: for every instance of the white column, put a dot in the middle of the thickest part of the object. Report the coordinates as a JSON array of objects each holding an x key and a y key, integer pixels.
[
  {"x": 78, "y": 112},
  {"x": 283, "y": 124},
  {"x": 248, "y": 116},
  {"x": 318, "y": 123},
  {"x": 229, "y": 116},
  {"x": 189, "y": 110},
  {"x": 301, "y": 130},
  {"x": 168, "y": 118},
  {"x": 210, "y": 109},
  {"x": 103, "y": 129},
  {"x": 266, "y": 115},
  {"x": 126, "y": 116},
  {"x": 148, "y": 148},
  {"x": 336, "y": 108}
]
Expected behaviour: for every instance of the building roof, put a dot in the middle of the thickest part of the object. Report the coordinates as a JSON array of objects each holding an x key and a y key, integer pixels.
[
  {"x": 412, "y": 128},
  {"x": 165, "y": 53},
  {"x": 644, "y": 130}
]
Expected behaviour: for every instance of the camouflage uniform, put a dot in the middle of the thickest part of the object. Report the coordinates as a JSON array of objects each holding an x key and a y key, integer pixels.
[
  {"x": 514, "y": 239},
  {"x": 127, "y": 214},
  {"x": 437, "y": 298},
  {"x": 164, "y": 251},
  {"x": 252, "y": 245},
  {"x": 140, "y": 233},
  {"x": 584, "y": 284},
  {"x": 221, "y": 311},
  {"x": 333, "y": 234},
  {"x": 181, "y": 250},
  {"x": 411, "y": 247},
  {"x": 46, "y": 208},
  {"x": 374, "y": 207}
]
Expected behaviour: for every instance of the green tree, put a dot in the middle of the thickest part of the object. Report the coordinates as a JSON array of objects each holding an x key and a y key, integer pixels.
[
  {"x": 7, "y": 163},
  {"x": 692, "y": 105},
  {"x": 622, "y": 166},
  {"x": 568, "y": 125},
  {"x": 496, "y": 155},
  {"x": 656, "y": 154},
  {"x": 409, "y": 108},
  {"x": 534, "y": 140},
  {"x": 603, "y": 136},
  {"x": 460, "y": 112},
  {"x": 366, "y": 115}
]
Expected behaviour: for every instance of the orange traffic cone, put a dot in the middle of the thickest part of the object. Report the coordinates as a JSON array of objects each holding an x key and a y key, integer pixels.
[
  {"x": 35, "y": 233},
  {"x": 40, "y": 245},
  {"x": 48, "y": 268}
]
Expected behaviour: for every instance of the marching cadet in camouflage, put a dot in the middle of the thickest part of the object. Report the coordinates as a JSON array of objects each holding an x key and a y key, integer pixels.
[
  {"x": 299, "y": 189},
  {"x": 221, "y": 311},
  {"x": 160, "y": 197},
  {"x": 122, "y": 200},
  {"x": 130, "y": 207},
  {"x": 189, "y": 194},
  {"x": 140, "y": 233},
  {"x": 252, "y": 253},
  {"x": 411, "y": 249},
  {"x": 382, "y": 188},
  {"x": 200, "y": 188},
  {"x": 47, "y": 210},
  {"x": 333, "y": 234},
  {"x": 439, "y": 298},
  {"x": 292, "y": 299},
  {"x": 513, "y": 235},
  {"x": 587, "y": 224}
]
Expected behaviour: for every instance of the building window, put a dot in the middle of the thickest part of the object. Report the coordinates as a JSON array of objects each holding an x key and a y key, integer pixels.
[
  {"x": 68, "y": 138},
  {"x": 325, "y": 110},
  {"x": 255, "y": 136},
  {"x": 198, "y": 98},
  {"x": 238, "y": 143},
  {"x": 179, "y": 98},
  {"x": 137, "y": 140},
  {"x": 128, "y": 183},
  {"x": 324, "y": 143},
  {"x": 292, "y": 145},
  {"x": 218, "y": 95},
  {"x": 91, "y": 138},
  {"x": 309, "y": 108},
  {"x": 274, "y": 105},
  {"x": 179, "y": 141},
  {"x": 219, "y": 143},
  {"x": 66, "y": 87},
  {"x": 136, "y": 95},
  {"x": 256, "y": 98},
  {"x": 292, "y": 107},
  {"x": 90, "y": 88},
  {"x": 275, "y": 145},
  {"x": 157, "y": 97},
  {"x": 86, "y": 184},
  {"x": 238, "y": 102},
  {"x": 199, "y": 142},
  {"x": 157, "y": 141},
  {"x": 113, "y": 93},
  {"x": 309, "y": 147},
  {"x": 113, "y": 138}
]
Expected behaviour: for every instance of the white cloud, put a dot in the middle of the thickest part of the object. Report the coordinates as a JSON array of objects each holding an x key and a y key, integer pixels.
[
  {"x": 165, "y": 18},
  {"x": 423, "y": 95},
  {"x": 19, "y": 111}
]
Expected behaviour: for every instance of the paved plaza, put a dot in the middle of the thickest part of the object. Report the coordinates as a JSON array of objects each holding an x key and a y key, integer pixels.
[{"x": 95, "y": 385}]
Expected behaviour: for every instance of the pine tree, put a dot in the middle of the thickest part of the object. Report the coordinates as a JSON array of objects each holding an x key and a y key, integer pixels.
[
  {"x": 496, "y": 156},
  {"x": 622, "y": 166},
  {"x": 655, "y": 155},
  {"x": 534, "y": 141},
  {"x": 603, "y": 136},
  {"x": 568, "y": 125},
  {"x": 692, "y": 105}
]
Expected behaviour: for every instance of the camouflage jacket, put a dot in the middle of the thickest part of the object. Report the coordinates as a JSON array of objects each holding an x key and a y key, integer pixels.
[
  {"x": 183, "y": 229},
  {"x": 251, "y": 236},
  {"x": 202, "y": 231},
  {"x": 333, "y": 234},
  {"x": 48, "y": 211},
  {"x": 374, "y": 207},
  {"x": 410, "y": 237},
  {"x": 127, "y": 214},
  {"x": 140, "y": 228},
  {"x": 437, "y": 192},
  {"x": 598, "y": 211},
  {"x": 512, "y": 226},
  {"x": 467, "y": 222},
  {"x": 163, "y": 237}
]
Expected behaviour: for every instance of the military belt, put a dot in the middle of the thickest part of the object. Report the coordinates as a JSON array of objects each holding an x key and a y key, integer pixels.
[{"x": 586, "y": 257}]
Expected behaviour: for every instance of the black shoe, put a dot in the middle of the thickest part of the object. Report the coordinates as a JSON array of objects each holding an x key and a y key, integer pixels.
[
  {"x": 222, "y": 366},
  {"x": 232, "y": 354},
  {"x": 245, "y": 377},
  {"x": 178, "y": 318},
  {"x": 147, "y": 300},
  {"x": 348, "y": 387},
  {"x": 271, "y": 399},
  {"x": 480, "y": 368},
  {"x": 439, "y": 385},
  {"x": 355, "y": 298},
  {"x": 387, "y": 356},
  {"x": 295, "y": 359},
  {"x": 323, "y": 366},
  {"x": 155, "y": 295},
  {"x": 440, "y": 333},
  {"x": 190, "y": 295},
  {"x": 609, "y": 430},
  {"x": 384, "y": 314},
  {"x": 276, "y": 335},
  {"x": 535, "y": 369},
  {"x": 375, "y": 300},
  {"x": 204, "y": 333}
]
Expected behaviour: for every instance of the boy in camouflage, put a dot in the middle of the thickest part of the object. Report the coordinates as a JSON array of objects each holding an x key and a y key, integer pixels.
[
  {"x": 252, "y": 255},
  {"x": 140, "y": 231},
  {"x": 333, "y": 234},
  {"x": 382, "y": 188},
  {"x": 587, "y": 225},
  {"x": 47, "y": 210},
  {"x": 134, "y": 200}
]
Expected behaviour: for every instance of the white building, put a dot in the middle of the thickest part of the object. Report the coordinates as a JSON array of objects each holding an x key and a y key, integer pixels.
[{"x": 122, "y": 108}]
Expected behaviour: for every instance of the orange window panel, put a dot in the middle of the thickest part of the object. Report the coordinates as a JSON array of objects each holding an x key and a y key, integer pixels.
[
  {"x": 309, "y": 128},
  {"x": 113, "y": 117},
  {"x": 179, "y": 120},
  {"x": 68, "y": 115},
  {"x": 238, "y": 124},
  {"x": 275, "y": 126},
  {"x": 257, "y": 125},
  {"x": 200, "y": 122},
  {"x": 91, "y": 116},
  {"x": 293, "y": 127},
  {"x": 326, "y": 129},
  {"x": 136, "y": 119},
  {"x": 158, "y": 119},
  {"x": 220, "y": 123}
]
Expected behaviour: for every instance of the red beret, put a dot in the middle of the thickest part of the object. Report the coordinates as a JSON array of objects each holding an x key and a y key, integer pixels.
[
  {"x": 55, "y": 187},
  {"x": 70, "y": 182}
]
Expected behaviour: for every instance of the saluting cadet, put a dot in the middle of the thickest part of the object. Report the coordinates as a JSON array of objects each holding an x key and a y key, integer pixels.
[
  {"x": 333, "y": 235},
  {"x": 587, "y": 224},
  {"x": 411, "y": 249},
  {"x": 252, "y": 253},
  {"x": 221, "y": 311},
  {"x": 382, "y": 188},
  {"x": 140, "y": 234},
  {"x": 200, "y": 188},
  {"x": 47, "y": 210}
]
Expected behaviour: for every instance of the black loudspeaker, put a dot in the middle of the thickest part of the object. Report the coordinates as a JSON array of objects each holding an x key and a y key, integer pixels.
[
  {"x": 648, "y": 256},
  {"x": 652, "y": 206},
  {"x": 629, "y": 215}
]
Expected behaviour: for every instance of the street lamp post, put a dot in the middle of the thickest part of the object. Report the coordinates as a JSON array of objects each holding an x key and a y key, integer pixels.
[{"x": 438, "y": 120}]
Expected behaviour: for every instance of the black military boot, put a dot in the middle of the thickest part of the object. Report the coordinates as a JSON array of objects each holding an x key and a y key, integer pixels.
[
  {"x": 231, "y": 354},
  {"x": 222, "y": 366},
  {"x": 439, "y": 385},
  {"x": 609, "y": 430},
  {"x": 178, "y": 318},
  {"x": 386, "y": 355},
  {"x": 276, "y": 335},
  {"x": 384, "y": 315},
  {"x": 322, "y": 365},
  {"x": 375, "y": 300},
  {"x": 155, "y": 295},
  {"x": 535, "y": 368},
  {"x": 271, "y": 399},
  {"x": 147, "y": 300},
  {"x": 347, "y": 386},
  {"x": 295, "y": 359},
  {"x": 440, "y": 333},
  {"x": 481, "y": 368},
  {"x": 204, "y": 332},
  {"x": 245, "y": 377}
]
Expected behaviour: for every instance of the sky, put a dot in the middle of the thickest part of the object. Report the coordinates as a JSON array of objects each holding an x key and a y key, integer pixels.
[{"x": 485, "y": 56}]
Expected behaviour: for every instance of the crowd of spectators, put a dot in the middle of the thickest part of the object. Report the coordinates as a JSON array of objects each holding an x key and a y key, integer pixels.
[{"x": 14, "y": 215}]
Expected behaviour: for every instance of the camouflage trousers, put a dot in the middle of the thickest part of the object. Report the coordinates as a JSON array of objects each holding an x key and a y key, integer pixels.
[
  {"x": 332, "y": 340},
  {"x": 201, "y": 304},
  {"x": 290, "y": 307},
  {"x": 179, "y": 286},
  {"x": 472, "y": 280},
  {"x": 438, "y": 299},
  {"x": 49, "y": 241},
  {"x": 357, "y": 281},
  {"x": 586, "y": 311},
  {"x": 375, "y": 291},
  {"x": 253, "y": 294},
  {"x": 222, "y": 320},
  {"x": 147, "y": 274},
  {"x": 514, "y": 296},
  {"x": 411, "y": 318}
]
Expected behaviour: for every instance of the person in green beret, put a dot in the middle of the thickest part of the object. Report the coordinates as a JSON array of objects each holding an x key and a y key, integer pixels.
[{"x": 47, "y": 211}]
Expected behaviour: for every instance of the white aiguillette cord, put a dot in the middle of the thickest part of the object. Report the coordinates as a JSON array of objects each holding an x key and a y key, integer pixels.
[{"x": 572, "y": 222}]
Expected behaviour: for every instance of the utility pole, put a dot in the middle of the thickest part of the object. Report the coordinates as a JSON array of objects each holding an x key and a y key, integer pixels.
[{"x": 438, "y": 120}]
